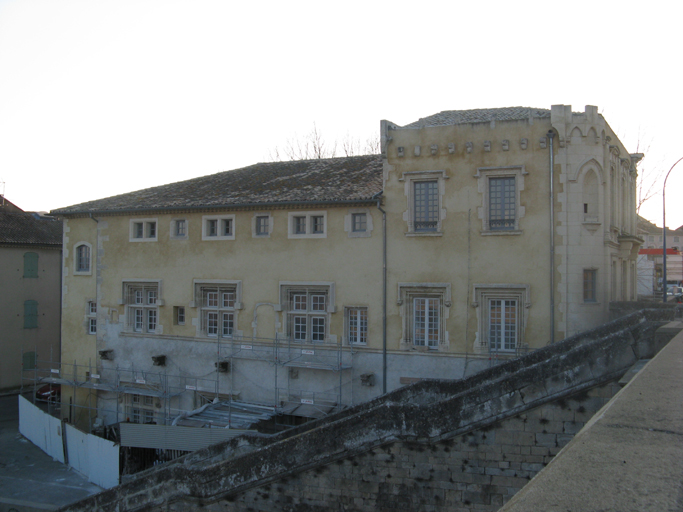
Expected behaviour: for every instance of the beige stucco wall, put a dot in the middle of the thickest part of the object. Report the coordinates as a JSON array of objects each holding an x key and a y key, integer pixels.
[
  {"x": 14, "y": 339},
  {"x": 459, "y": 261}
]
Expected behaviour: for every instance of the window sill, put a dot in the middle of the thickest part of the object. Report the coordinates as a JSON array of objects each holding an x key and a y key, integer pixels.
[
  {"x": 510, "y": 232},
  {"x": 425, "y": 233},
  {"x": 590, "y": 303}
]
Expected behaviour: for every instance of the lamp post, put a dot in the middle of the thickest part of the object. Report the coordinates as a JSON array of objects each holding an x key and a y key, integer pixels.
[{"x": 664, "y": 231}]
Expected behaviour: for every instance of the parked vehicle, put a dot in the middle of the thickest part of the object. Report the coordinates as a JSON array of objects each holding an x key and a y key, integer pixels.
[
  {"x": 49, "y": 393},
  {"x": 674, "y": 293}
]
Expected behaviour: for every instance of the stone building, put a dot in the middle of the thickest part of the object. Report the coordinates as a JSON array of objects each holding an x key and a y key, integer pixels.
[
  {"x": 311, "y": 285},
  {"x": 30, "y": 263}
]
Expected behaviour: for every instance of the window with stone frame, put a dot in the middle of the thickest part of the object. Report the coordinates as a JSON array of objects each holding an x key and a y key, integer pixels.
[
  {"x": 218, "y": 304},
  {"x": 218, "y": 227},
  {"x": 143, "y": 230},
  {"x": 356, "y": 325},
  {"x": 142, "y": 306},
  {"x": 307, "y": 308},
  {"x": 424, "y": 192},
  {"x": 502, "y": 311},
  {"x": 590, "y": 283},
  {"x": 424, "y": 308},
  {"x": 500, "y": 189},
  {"x": 307, "y": 224}
]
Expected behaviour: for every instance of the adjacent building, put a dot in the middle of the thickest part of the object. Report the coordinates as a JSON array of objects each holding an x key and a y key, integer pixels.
[
  {"x": 309, "y": 285},
  {"x": 30, "y": 270}
]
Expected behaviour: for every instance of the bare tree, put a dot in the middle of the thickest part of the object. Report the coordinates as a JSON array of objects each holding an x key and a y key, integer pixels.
[
  {"x": 649, "y": 177},
  {"x": 314, "y": 146}
]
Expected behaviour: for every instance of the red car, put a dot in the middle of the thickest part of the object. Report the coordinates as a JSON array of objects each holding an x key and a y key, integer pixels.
[{"x": 49, "y": 393}]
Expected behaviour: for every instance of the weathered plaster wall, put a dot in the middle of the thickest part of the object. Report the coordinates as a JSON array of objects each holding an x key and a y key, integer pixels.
[
  {"x": 554, "y": 389},
  {"x": 43, "y": 340}
]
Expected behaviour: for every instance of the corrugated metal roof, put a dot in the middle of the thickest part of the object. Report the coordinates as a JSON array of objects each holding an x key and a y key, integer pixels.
[{"x": 356, "y": 178}]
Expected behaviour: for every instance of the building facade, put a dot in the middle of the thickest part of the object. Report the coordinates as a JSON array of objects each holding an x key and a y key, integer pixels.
[
  {"x": 30, "y": 270},
  {"x": 474, "y": 236}
]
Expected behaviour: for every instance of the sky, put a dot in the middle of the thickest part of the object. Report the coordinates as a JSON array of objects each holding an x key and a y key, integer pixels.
[{"x": 102, "y": 97}]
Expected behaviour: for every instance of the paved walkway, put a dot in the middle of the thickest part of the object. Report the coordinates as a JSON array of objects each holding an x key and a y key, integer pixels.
[
  {"x": 629, "y": 457},
  {"x": 30, "y": 480}
]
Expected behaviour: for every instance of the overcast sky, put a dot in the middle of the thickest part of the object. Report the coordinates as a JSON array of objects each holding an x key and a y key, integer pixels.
[{"x": 101, "y": 97}]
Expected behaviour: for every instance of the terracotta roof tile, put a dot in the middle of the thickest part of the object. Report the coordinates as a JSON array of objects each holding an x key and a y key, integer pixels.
[
  {"x": 29, "y": 228},
  {"x": 480, "y": 115},
  {"x": 324, "y": 180}
]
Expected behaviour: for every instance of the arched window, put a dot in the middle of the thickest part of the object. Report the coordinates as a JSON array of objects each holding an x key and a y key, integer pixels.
[
  {"x": 590, "y": 197},
  {"x": 82, "y": 262},
  {"x": 30, "y": 264},
  {"x": 30, "y": 314}
]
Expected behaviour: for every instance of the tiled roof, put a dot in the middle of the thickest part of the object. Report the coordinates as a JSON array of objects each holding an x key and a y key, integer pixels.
[
  {"x": 330, "y": 180},
  {"x": 29, "y": 228},
  {"x": 480, "y": 115}
]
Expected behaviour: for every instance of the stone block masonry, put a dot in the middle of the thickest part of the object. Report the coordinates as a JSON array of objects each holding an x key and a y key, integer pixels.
[
  {"x": 436, "y": 445},
  {"x": 479, "y": 470}
]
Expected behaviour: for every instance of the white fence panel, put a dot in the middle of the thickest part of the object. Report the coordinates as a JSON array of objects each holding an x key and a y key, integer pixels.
[
  {"x": 41, "y": 429},
  {"x": 92, "y": 456}
]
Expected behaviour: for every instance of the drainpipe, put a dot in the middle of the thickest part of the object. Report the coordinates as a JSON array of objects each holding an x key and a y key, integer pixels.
[
  {"x": 384, "y": 295},
  {"x": 551, "y": 136}
]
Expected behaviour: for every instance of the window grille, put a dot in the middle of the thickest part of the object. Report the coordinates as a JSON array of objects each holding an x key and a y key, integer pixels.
[
  {"x": 502, "y": 203},
  {"x": 426, "y": 198}
]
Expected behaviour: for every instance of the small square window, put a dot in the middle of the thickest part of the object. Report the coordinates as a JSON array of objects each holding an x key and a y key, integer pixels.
[
  {"x": 227, "y": 227},
  {"x": 318, "y": 224},
  {"x": 179, "y": 315},
  {"x": 359, "y": 222},
  {"x": 92, "y": 307},
  {"x": 180, "y": 228},
  {"x": 262, "y": 225},
  {"x": 220, "y": 227},
  {"x": 138, "y": 229},
  {"x": 151, "y": 297},
  {"x": 143, "y": 230},
  {"x": 300, "y": 225},
  {"x": 92, "y": 325},
  {"x": 212, "y": 227}
]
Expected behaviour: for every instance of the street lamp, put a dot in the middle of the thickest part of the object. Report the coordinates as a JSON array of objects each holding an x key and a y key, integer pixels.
[{"x": 664, "y": 229}]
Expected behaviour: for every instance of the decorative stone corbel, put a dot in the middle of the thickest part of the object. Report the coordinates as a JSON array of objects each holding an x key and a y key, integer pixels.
[
  {"x": 544, "y": 142},
  {"x": 451, "y": 147},
  {"x": 434, "y": 149},
  {"x": 417, "y": 150},
  {"x": 469, "y": 146},
  {"x": 506, "y": 145},
  {"x": 401, "y": 151},
  {"x": 487, "y": 145},
  {"x": 523, "y": 143}
]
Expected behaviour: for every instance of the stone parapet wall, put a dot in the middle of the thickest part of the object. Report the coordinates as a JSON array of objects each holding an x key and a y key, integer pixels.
[{"x": 494, "y": 403}]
